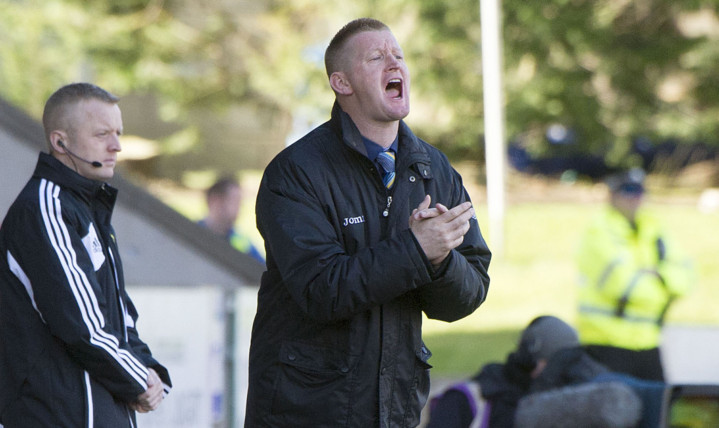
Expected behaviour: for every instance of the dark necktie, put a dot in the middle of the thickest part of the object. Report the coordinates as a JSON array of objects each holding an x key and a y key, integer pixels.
[{"x": 386, "y": 161}]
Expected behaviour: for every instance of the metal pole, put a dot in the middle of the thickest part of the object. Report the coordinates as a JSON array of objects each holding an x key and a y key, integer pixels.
[
  {"x": 492, "y": 64},
  {"x": 230, "y": 344}
]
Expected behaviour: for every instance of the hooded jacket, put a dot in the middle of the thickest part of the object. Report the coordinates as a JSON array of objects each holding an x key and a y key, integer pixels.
[
  {"x": 337, "y": 341},
  {"x": 70, "y": 355}
]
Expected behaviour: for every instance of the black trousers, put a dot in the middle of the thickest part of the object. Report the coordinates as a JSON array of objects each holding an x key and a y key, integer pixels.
[{"x": 644, "y": 364}]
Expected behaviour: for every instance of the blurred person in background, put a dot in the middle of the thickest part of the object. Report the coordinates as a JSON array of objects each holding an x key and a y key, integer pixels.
[
  {"x": 70, "y": 353},
  {"x": 224, "y": 200},
  {"x": 631, "y": 272},
  {"x": 356, "y": 253},
  {"x": 549, "y": 380},
  {"x": 490, "y": 398}
]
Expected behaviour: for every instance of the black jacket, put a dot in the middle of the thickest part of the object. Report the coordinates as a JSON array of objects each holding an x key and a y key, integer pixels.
[
  {"x": 337, "y": 336},
  {"x": 69, "y": 349},
  {"x": 570, "y": 366}
]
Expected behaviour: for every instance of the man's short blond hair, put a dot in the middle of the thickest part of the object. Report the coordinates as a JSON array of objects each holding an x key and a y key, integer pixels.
[
  {"x": 333, "y": 54},
  {"x": 57, "y": 108}
]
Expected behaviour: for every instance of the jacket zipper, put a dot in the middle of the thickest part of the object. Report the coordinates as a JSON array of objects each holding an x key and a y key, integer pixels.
[{"x": 385, "y": 213}]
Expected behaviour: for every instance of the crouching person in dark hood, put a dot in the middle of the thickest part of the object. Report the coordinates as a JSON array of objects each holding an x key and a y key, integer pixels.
[
  {"x": 490, "y": 398},
  {"x": 548, "y": 381}
]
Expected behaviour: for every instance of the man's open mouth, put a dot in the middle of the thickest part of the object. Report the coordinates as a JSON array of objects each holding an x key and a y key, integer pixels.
[{"x": 394, "y": 88}]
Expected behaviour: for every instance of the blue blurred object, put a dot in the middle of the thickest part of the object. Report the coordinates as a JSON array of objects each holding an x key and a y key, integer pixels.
[
  {"x": 565, "y": 155},
  {"x": 583, "y": 164}
]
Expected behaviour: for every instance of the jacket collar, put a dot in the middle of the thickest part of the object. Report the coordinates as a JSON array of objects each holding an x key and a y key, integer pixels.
[
  {"x": 410, "y": 150},
  {"x": 88, "y": 190}
]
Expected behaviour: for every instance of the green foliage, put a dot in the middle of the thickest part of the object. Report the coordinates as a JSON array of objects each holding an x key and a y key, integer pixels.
[
  {"x": 695, "y": 413},
  {"x": 37, "y": 54},
  {"x": 456, "y": 355},
  {"x": 611, "y": 69},
  {"x": 445, "y": 60}
]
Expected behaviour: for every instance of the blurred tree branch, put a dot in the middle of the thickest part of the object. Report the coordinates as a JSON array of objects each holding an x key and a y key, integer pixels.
[{"x": 610, "y": 69}]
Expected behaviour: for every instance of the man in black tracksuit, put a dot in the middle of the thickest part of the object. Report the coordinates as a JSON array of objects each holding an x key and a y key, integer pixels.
[
  {"x": 70, "y": 355},
  {"x": 353, "y": 260}
]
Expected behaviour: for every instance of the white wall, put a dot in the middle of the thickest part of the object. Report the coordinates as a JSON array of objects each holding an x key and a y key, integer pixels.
[
  {"x": 689, "y": 354},
  {"x": 184, "y": 328},
  {"x": 245, "y": 309}
]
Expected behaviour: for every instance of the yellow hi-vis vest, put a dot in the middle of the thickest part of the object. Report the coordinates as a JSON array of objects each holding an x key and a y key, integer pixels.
[{"x": 628, "y": 280}]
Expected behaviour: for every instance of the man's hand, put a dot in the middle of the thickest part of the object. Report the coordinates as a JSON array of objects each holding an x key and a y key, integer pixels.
[
  {"x": 439, "y": 230},
  {"x": 423, "y": 211},
  {"x": 152, "y": 397}
]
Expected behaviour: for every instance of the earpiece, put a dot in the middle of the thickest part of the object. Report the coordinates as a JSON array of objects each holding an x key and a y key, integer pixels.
[{"x": 95, "y": 164}]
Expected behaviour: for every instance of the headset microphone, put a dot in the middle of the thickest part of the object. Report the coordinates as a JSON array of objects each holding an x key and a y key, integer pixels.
[{"x": 95, "y": 164}]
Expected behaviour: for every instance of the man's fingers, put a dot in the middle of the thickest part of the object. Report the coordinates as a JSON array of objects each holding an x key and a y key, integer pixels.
[
  {"x": 460, "y": 213},
  {"x": 458, "y": 225},
  {"x": 152, "y": 377},
  {"x": 461, "y": 208},
  {"x": 465, "y": 216},
  {"x": 152, "y": 397},
  {"x": 441, "y": 208},
  {"x": 423, "y": 211},
  {"x": 425, "y": 203},
  {"x": 439, "y": 229}
]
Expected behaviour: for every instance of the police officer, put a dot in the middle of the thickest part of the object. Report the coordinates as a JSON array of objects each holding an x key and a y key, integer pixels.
[{"x": 630, "y": 274}]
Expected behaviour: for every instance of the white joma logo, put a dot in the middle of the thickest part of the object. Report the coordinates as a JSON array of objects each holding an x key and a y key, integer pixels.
[{"x": 353, "y": 220}]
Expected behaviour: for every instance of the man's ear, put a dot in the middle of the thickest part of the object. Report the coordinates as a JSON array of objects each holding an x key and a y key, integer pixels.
[
  {"x": 58, "y": 139},
  {"x": 340, "y": 84}
]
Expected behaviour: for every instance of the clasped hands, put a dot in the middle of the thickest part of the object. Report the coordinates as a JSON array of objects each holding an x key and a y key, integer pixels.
[
  {"x": 153, "y": 395},
  {"x": 439, "y": 229}
]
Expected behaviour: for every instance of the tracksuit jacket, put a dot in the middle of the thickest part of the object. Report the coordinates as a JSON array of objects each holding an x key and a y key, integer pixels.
[
  {"x": 70, "y": 355},
  {"x": 336, "y": 340}
]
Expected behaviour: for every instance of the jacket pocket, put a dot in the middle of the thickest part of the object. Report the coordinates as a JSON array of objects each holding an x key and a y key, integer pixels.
[
  {"x": 422, "y": 374},
  {"x": 313, "y": 385},
  {"x": 420, "y": 387}
]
